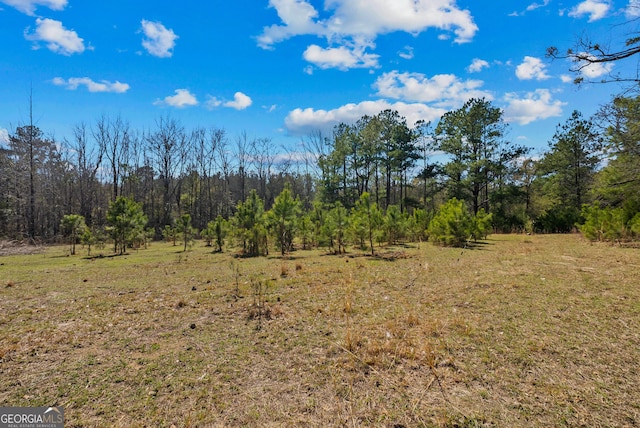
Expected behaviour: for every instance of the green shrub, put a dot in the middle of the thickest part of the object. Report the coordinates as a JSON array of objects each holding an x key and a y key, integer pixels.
[
  {"x": 452, "y": 225},
  {"x": 394, "y": 224},
  {"x": 634, "y": 226},
  {"x": 604, "y": 224},
  {"x": 481, "y": 224},
  {"x": 559, "y": 219}
]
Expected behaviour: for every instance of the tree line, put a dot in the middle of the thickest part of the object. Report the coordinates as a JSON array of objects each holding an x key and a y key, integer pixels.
[
  {"x": 200, "y": 178},
  {"x": 169, "y": 170}
]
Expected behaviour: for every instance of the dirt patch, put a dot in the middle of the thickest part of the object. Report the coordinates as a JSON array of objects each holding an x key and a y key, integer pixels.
[{"x": 19, "y": 248}]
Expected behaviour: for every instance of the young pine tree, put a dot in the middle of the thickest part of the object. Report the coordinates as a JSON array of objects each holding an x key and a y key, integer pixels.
[
  {"x": 73, "y": 227},
  {"x": 126, "y": 219},
  {"x": 282, "y": 219},
  {"x": 452, "y": 225},
  {"x": 186, "y": 231}
]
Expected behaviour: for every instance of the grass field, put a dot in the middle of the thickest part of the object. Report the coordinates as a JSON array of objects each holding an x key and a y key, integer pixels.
[{"x": 532, "y": 331}]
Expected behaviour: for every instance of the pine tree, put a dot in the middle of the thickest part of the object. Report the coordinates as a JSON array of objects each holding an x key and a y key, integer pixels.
[
  {"x": 249, "y": 224},
  {"x": 282, "y": 219},
  {"x": 127, "y": 221},
  {"x": 185, "y": 229},
  {"x": 452, "y": 225},
  {"x": 73, "y": 226},
  {"x": 366, "y": 219}
]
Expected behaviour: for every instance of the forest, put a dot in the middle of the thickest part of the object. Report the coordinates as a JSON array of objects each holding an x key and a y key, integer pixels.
[{"x": 375, "y": 181}]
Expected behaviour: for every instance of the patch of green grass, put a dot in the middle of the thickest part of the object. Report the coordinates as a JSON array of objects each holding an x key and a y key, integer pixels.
[{"x": 542, "y": 332}]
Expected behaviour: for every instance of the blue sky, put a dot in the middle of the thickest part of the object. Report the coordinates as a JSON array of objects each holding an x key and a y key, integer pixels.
[{"x": 282, "y": 69}]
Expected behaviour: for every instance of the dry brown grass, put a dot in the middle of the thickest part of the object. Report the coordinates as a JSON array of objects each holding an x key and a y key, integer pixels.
[
  {"x": 18, "y": 248},
  {"x": 543, "y": 332}
]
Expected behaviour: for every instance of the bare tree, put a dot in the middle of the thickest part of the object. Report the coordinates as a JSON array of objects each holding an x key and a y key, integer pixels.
[
  {"x": 88, "y": 158},
  {"x": 26, "y": 151},
  {"x": 131, "y": 180},
  {"x": 223, "y": 161},
  {"x": 167, "y": 147},
  {"x": 206, "y": 146},
  {"x": 588, "y": 53},
  {"x": 32, "y": 171},
  {"x": 242, "y": 146},
  {"x": 113, "y": 138},
  {"x": 263, "y": 159}
]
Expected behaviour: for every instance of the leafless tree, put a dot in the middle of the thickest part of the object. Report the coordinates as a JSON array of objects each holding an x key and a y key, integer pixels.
[
  {"x": 223, "y": 161},
  {"x": 113, "y": 138},
  {"x": 263, "y": 158},
  {"x": 242, "y": 147},
  {"x": 88, "y": 158},
  {"x": 588, "y": 53},
  {"x": 166, "y": 145}
]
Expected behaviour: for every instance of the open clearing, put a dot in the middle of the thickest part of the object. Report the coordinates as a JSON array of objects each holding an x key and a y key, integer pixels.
[{"x": 520, "y": 331}]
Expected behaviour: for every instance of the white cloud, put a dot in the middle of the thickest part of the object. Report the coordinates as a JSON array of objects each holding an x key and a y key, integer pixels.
[
  {"x": 566, "y": 78},
  {"x": 632, "y": 10},
  {"x": 595, "y": 70},
  {"x": 298, "y": 19},
  {"x": 29, "y": 6},
  {"x": 212, "y": 102},
  {"x": 182, "y": 98},
  {"x": 596, "y": 9},
  {"x": 530, "y": 8},
  {"x": 103, "y": 86},
  {"x": 159, "y": 41},
  {"x": 295, "y": 157},
  {"x": 370, "y": 18},
  {"x": 240, "y": 101},
  {"x": 477, "y": 65},
  {"x": 341, "y": 57},
  {"x": 534, "y": 6},
  {"x": 532, "y": 68},
  {"x": 367, "y": 18},
  {"x": 57, "y": 38},
  {"x": 407, "y": 53},
  {"x": 534, "y": 106},
  {"x": 356, "y": 24},
  {"x": 302, "y": 122},
  {"x": 444, "y": 90}
]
